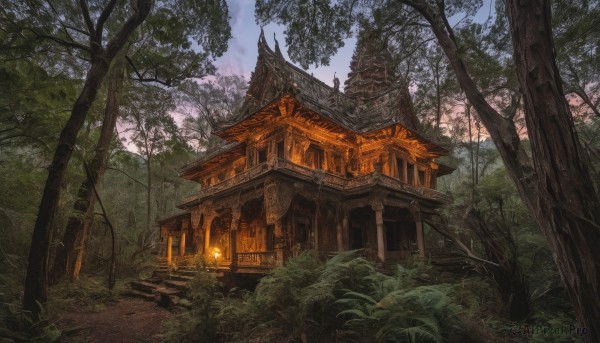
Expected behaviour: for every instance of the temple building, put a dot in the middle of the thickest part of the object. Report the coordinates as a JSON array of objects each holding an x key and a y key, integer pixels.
[{"x": 307, "y": 166}]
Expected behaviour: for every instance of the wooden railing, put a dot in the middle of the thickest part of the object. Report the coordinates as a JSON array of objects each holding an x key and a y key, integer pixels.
[
  {"x": 320, "y": 176},
  {"x": 262, "y": 259}
]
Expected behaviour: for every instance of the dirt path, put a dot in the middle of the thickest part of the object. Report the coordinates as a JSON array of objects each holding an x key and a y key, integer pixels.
[{"x": 129, "y": 320}]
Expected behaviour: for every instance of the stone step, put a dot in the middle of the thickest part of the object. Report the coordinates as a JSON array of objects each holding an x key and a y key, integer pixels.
[
  {"x": 160, "y": 274},
  {"x": 168, "y": 297},
  {"x": 187, "y": 272},
  {"x": 144, "y": 286},
  {"x": 180, "y": 285},
  {"x": 164, "y": 290},
  {"x": 132, "y": 293},
  {"x": 154, "y": 280},
  {"x": 178, "y": 277}
]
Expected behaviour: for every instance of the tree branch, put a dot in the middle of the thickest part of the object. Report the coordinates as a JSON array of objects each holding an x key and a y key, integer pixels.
[
  {"x": 103, "y": 18},
  {"x": 86, "y": 17},
  {"x": 111, "y": 272},
  {"x": 129, "y": 176}
]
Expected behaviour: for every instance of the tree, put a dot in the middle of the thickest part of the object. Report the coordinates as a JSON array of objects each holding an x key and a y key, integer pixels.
[
  {"x": 101, "y": 52},
  {"x": 83, "y": 30},
  {"x": 208, "y": 102},
  {"x": 153, "y": 130},
  {"x": 555, "y": 181},
  {"x": 575, "y": 27},
  {"x": 69, "y": 255},
  {"x": 160, "y": 54}
]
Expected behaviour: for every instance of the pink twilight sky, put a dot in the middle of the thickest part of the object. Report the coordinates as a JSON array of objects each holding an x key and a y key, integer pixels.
[{"x": 241, "y": 56}]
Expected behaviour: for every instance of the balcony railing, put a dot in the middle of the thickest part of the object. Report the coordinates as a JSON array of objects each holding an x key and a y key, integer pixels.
[
  {"x": 320, "y": 176},
  {"x": 258, "y": 259}
]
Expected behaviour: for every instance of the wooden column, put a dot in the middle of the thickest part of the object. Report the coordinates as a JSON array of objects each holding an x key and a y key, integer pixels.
[
  {"x": 415, "y": 175},
  {"x": 316, "y": 229},
  {"x": 378, "y": 208},
  {"x": 340, "y": 237},
  {"x": 207, "y": 225},
  {"x": 346, "y": 234},
  {"x": 235, "y": 220},
  {"x": 404, "y": 170},
  {"x": 169, "y": 249},
  {"x": 420, "y": 238},
  {"x": 279, "y": 243},
  {"x": 182, "y": 244}
]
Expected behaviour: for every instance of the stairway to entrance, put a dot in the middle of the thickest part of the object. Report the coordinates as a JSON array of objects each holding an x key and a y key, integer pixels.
[{"x": 167, "y": 287}]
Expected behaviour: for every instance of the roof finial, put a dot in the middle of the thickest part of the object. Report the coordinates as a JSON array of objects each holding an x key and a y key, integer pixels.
[
  {"x": 261, "y": 38},
  {"x": 336, "y": 83},
  {"x": 277, "y": 51}
]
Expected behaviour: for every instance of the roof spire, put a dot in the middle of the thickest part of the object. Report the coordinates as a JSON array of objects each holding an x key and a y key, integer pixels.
[
  {"x": 277, "y": 50},
  {"x": 336, "y": 83},
  {"x": 371, "y": 71}
]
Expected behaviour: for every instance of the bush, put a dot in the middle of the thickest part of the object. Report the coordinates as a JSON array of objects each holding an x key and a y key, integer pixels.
[{"x": 344, "y": 299}]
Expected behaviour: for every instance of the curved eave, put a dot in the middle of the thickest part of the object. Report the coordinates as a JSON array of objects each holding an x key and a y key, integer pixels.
[
  {"x": 444, "y": 169},
  {"x": 238, "y": 130},
  {"x": 401, "y": 132},
  {"x": 227, "y": 153},
  {"x": 171, "y": 221}
]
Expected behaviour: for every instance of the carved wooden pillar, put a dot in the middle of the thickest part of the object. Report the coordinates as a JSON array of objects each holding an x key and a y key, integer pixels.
[
  {"x": 182, "y": 243},
  {"x": 277, "y": 200},
  {"x": 415, "y": 210},
  {"x": 404, "y": 170},
  {"x": 235, "y": 220},
  {"x": 196, "y": 230},
  {"x": 346, "y": 231},
  {"x": 169, "y": 248},
  {"x": 341, "y": 228},
  {"x": 415, "y": 175},
  {"x": 316, "y": 228},
  {"x": 340, "y": 236},
  {"x": 207, "y": 224},
  {"x": 279, "y": 243},
  {"x": 378, "y": 208},
  {"x": 420, "y": 238}
]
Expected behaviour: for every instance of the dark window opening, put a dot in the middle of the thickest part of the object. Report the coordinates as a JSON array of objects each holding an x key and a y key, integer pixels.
[
  {"x": 208, "y": 180},
  {"x": 392, "y": 235},
  {"x": 356, "y": 236},
  {"x": 262, "y": 155},
  {"x": 302, "y": 231},
  {"x": 433, "y": 181},
  {"x": 221, "y": 176},
  {"x": 314, "y": 157},
  {"x": 400, "y": 169},
  {"x": 421, "y": 177},
  {"x": 410, "y": 173},
  {"x": 280, "y": 150},
  {"x": 337, "y": 161}
]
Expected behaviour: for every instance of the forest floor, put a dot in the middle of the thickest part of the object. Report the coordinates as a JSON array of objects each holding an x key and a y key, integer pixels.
[{"x": 127, "y": 320}]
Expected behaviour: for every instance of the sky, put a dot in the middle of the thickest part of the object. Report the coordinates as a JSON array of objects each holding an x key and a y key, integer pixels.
[{"x": 241, "y": 56}]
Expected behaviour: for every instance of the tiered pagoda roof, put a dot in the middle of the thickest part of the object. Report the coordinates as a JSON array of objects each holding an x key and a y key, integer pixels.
[{"x": 369, "y": 108}]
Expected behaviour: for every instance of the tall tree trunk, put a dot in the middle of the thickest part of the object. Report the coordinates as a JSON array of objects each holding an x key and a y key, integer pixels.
[
  {"x": 148, "y": 232},
  {"x": 69, "y": 255},
  {"x": 471, "y": 157},
  {"x": 569, "y": 214},
  {"x": 560, "y": 193},
  {"x": 36, "y": 281}
]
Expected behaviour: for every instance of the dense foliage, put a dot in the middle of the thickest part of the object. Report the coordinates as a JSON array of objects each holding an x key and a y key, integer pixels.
[{"x": 306, "y": 300}]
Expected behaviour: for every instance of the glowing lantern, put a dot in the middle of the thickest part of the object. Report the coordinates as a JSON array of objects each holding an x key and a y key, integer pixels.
[{"x": 216, "y": 254}]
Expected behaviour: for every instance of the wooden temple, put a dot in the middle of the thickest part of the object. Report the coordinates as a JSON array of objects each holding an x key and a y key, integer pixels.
[{"x": 306, "y": 166}]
